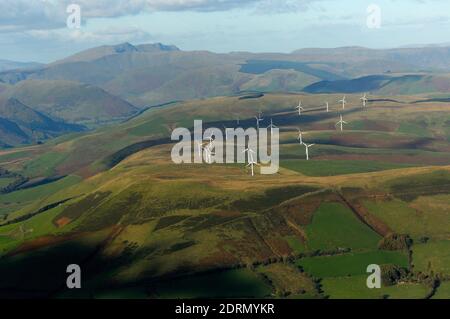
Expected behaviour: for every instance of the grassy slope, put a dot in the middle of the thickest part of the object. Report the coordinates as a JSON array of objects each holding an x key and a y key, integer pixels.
[{"x": 215, "y": 227}]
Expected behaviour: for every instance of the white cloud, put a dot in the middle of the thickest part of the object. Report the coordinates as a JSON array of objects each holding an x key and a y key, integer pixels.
[
  {"x": 109, "y": 35},
  {"x": 19, "y": 15}
]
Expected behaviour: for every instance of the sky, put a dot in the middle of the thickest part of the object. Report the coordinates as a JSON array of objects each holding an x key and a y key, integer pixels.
[{"x": 38, "y": 30}]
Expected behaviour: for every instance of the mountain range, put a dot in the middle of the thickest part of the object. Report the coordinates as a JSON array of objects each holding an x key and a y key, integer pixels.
[
  {"x": 20, "y": 124},
  {"x": 6, "y": 65},
  {"x": 107, "y": 84}
]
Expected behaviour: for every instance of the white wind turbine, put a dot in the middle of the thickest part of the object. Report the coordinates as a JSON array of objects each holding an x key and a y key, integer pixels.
[
  {"x": 364, "y": 99},
  {"x": 343, "y": 101},
  {"x": 199, "y": 148},
  {"x": 208, "y": 153},
  {"x": 252, "y": 163},
  {"x": 341, "y": 123},
  {"x": 307, "y": 146},
  {"x": 300, "y": 137},
  {"x": 258, "y": 119},
  {"x": 328, "y": 107},
  {"x": 299, "y": 108},
  {"x": 250, "y": 153},
  {"x": 210, "y": 139},
  {"x": 271, "y": 126}
]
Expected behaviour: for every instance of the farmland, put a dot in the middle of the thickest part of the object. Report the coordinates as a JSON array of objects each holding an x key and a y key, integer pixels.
[{"x": 144, "y": 227}]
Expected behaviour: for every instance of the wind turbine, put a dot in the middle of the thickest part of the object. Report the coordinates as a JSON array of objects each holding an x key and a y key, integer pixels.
[
  {"x": 200, "y": 148},
  {"x": 250, "y": 153},
  {"x": 364, "y": 100},
  {"x": 328, "y": 107},
  {"x": 208, "y": 153},
  {"x": 299, "y": 108},
  {"x": 343, "y": 101},
  {"x": 307, "y": 146},
  {"x": 300, "y": 137},
  {"x": 210, "y": 138},
  {"x": 341, "y": 122},
  {"x": 271, "y": 126},
  {"x": 258, "y": 119},
  {"x": 252, "y": 163}
]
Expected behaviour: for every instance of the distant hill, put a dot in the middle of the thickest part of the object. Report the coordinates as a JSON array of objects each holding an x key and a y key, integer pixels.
[
  {"x": 20, "y": 124},
  {"x": 6, "y": 65},
  {"x": 385, "y": 85},
  {"x": 105, "y": 50},
  {"x": 71, "y": 101},
  {"x": 152, "y": 74}
]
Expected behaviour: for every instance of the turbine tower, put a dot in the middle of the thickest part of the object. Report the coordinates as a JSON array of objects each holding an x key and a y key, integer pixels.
[
  {"x": 271, "y": 126},
  {"x": 208, "y": 153},
  {"x": 341, "y": 123},
  {"x": 328, "y": 107},
  {"x": 307, "y": 146},
  {"x": 200, "y": 148},
  {"x": 364, "y": 100},
  {"x": 258, "y": 119},
  {"x": 252, "y": 163},
  {"x": 250, "y": 153},
  {"x": 300, "y": 137},
  {"x": 299, "y": 108},
  {"x": 343, "y": 101}
]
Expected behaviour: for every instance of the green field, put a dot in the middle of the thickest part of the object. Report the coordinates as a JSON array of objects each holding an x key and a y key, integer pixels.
[
  {"x": 5, "y": 181},
  {"x": 426, "y": 216},
  {"x": 23, "y": 197},
  {"x": 432, "y": 256},
  {"x": 198, "y": 230},
  {"x": 355, "y": 287},
  {"x": 350, "y": 264},
  {"x": 296, "y": 244},
  {"x": 335, "y": 226},
  {"x": 443, "y": 291},
  {"x": 333, "y": 168}
]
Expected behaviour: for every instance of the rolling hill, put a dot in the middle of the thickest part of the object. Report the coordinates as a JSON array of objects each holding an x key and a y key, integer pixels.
[
  {"x": 153, "y": 74},
  {"x": 21, "y": 124},
  {"x": 134, "y": 220},
  {"x": 6, "y": 65},
  {"x": 71, "y": 102},
  {"x": 409, "y": 84}
]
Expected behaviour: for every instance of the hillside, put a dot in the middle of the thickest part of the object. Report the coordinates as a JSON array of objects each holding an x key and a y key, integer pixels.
[
  {"x": 106, "y": 50},
  {"x": 386, "y": 85},
  {"x": 135, "y": 219},
  {"x": 6, "y": 65},
  {"x": 71, "y": 102},
  {"x": 152, "y": 74},
  {"x": 20, "y": 124}
]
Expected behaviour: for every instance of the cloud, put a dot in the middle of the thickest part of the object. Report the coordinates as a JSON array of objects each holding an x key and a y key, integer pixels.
[
  {"x": 19, "y": 15},
  {"x": 109, "y": 35}
]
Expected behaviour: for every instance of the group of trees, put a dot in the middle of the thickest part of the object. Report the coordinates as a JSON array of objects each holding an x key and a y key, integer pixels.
[{"x": 18, "y": 181}]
